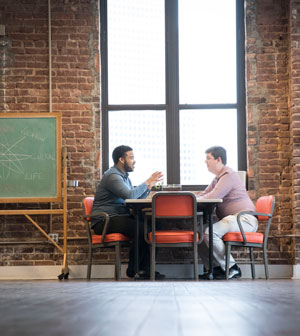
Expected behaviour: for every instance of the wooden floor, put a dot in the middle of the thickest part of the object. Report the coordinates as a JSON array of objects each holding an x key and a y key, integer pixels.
[{"x": 104, "y": 308}]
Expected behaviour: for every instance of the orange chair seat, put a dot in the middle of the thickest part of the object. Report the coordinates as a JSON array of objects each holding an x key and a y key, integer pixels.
[
  {"x": 252, "y": 237},
  {"x": 111, "y": 237},
  {"x": 171, "y": 237}
]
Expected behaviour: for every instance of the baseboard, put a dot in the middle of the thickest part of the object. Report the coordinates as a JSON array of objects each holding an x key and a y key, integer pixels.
[
  {"x": 275, "y": 271},
  {"x": 172, "y": 271},
  {"x": 296, "y": 272}
]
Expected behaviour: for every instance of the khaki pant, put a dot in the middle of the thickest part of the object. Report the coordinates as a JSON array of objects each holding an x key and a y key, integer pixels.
[{"x": 220, "y": 228}]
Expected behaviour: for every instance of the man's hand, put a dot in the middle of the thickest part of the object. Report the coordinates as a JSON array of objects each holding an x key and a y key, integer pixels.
[
  {"x": 154, "y": 178},
  {"x": 198, "y": 193}
]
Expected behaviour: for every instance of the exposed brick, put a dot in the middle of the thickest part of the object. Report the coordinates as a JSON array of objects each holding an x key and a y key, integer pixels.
[
  {"x": 26, "y": 88},
  {"x": 273, "y": 107}
]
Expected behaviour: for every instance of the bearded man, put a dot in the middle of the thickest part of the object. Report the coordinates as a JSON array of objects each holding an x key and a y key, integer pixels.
[{"x": 114, "y": 187}]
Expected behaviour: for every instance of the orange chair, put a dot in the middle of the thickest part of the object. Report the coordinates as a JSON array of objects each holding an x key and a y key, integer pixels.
[
  {"x": 114, "y": 240},
  {"x": 174, "y": 205},
  {"x": 264, "y": 212}
]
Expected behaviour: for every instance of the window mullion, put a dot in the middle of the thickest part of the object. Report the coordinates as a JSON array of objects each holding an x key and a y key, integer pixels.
[
  {"x": 104, "y": 85},
  {"x": 172, "y": 92},
  {"x": 241, "y": 99}
]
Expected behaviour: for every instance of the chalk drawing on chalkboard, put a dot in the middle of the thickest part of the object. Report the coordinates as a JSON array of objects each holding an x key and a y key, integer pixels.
[
  {"x": 11, "y": 160},
  {"x": 30, "y": 157}
]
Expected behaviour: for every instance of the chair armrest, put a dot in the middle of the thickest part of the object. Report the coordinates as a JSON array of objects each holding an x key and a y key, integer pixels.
[
  {"x": 106, "y": 221},
  {"x": 97, "y": 214},
  {"x": 240, "y": 224},
  {"x": 253, "y": 213}
]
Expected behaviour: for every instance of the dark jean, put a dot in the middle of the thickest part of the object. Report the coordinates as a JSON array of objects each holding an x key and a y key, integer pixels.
[{"x": 126, "y": 225}]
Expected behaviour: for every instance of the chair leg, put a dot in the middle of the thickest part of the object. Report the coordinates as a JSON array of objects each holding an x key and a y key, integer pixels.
[
  {"x": 89, "y": 268},
  {"x": 266, "y": 263},
  {"x": 252, "y": 263},
  {"x": 152, "y": 266},
  {"x": 195, "y": 261},
  {"x": 118, "y": 262},
  {"x": 228, "y": 250}
]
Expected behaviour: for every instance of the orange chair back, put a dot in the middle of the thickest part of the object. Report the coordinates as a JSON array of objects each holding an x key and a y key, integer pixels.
[
  {"x": 88, "y": 206},
  {"x": 265, "y": 205},
  {"x": 174, "y": 205}
]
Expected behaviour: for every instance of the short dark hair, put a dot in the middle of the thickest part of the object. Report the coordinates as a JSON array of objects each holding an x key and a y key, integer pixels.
[
  {"x": 218, "y": 152},
  {"x": 120, "y": 152}
]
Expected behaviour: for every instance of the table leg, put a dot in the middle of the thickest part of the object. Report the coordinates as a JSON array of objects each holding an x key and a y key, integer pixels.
[
  {"x": 210, "y": 237},
  {"x": 136, "y": 246}
]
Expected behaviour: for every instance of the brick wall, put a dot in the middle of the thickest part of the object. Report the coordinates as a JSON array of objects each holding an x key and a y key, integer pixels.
[
  {"x": 295, "y": 115},
  {"x": 24, "y": 87},
  {"x": 268, "y": 106},
  {"x": 272, "y": 106}
]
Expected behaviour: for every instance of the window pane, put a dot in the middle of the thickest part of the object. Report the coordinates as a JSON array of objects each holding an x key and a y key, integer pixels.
[
  {"x": 145, "y": 132},
  {"x": 207, "y": 51},
  {"x": 136, "y": 52},
  {"x": 199, "y": 130}
]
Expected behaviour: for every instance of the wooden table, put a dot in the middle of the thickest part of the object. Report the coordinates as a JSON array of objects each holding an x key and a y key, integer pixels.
[{"x": 205, "y": 205}]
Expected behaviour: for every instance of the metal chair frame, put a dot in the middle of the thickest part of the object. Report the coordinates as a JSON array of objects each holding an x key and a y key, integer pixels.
[
  {"x": 251, "y": 245},
  {"x": 113, "y": 244},
  {"x": 194, "y": 216}
]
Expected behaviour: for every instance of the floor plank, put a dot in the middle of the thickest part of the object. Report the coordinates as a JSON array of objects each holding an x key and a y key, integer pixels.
[{"x": 142, "y": 308}]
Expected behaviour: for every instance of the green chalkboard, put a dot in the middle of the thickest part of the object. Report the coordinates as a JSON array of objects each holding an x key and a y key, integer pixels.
[{"x": 30, "y": 157}]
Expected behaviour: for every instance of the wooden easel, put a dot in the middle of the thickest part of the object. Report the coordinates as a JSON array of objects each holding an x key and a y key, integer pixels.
[{"x": 63, "y": 211}]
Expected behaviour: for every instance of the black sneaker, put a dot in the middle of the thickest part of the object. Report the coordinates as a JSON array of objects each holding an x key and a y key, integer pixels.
[
  {"x": 217, "y": 271},
  {"x": 130, "y": 273},
  {"x": 159, "y": 276},
  {"x": 144, "y": 275},
  {"x": 234, "y": 273}
]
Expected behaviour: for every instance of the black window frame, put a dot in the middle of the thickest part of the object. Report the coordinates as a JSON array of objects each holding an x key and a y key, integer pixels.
[{"x": 172, "y": 106}]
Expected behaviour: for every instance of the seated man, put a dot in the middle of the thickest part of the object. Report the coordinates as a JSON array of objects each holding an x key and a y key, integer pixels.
[
  {"x": 114, "y": 187},
  {"x": 228, "y": 186}
]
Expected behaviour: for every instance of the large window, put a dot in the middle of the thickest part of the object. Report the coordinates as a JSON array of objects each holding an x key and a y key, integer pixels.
[{"x": 173, "y": 84}]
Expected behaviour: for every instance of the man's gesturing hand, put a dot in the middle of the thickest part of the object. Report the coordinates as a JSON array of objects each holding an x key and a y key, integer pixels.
[{"x": 154, "y": 178}]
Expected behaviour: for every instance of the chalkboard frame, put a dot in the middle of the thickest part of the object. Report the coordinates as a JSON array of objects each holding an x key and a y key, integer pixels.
[{"x": 58, "y": 197}]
